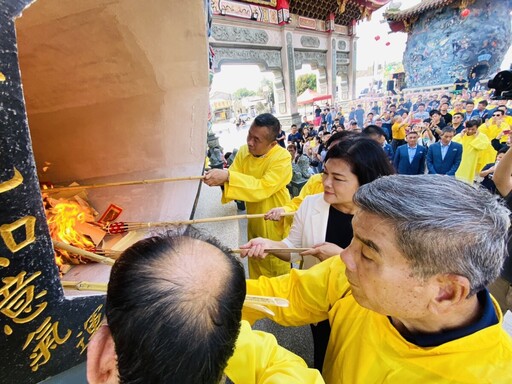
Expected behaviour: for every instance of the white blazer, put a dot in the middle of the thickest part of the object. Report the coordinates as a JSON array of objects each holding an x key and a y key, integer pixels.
[{"x": 309, "y": 226}]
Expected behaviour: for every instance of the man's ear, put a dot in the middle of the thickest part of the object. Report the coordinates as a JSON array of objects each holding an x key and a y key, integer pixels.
[
  {"x": 102, "y": 358},
  {"x": 452, "y": 290}
]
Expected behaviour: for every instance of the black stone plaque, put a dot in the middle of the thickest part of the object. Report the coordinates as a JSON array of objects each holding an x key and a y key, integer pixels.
[{"x": 41, "y": 333}]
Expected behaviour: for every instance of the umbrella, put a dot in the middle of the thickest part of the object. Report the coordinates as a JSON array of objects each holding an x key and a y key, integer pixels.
[{"x": 309, "y": 97}]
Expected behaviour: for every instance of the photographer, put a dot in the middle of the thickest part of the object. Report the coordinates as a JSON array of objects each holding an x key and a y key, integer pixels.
[{"x": 435, "y": 123}]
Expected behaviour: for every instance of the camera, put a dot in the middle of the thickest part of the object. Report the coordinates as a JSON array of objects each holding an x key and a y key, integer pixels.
[{"x": 502, "y": 85}]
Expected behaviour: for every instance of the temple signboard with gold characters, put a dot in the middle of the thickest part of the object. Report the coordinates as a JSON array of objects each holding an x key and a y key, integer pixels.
[
  {"x": 90, "y": 92},
  {"x": 41, "y": 332}
]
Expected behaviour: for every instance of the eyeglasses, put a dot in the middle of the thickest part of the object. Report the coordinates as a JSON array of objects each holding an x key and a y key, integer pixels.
[{"x": 496, "y": 115}]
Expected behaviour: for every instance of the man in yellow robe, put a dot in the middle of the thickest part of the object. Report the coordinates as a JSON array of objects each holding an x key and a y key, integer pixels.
[
  {"x": 174, "y": 306},
  {"x": 473, "y": 144},
  {"x": 259, "y": 176},
  {"x": 492, "y": 128},
  {"x": 404, "y": 305}
]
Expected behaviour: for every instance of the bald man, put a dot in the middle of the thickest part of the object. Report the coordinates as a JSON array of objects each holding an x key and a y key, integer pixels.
[{"x": 174, "y": 308}]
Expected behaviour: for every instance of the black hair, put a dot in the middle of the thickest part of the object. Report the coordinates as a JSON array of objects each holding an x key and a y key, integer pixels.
[
  {"x": 167, "y": 327},
  {"x": 472, "y": 123},
  {"x": 483, "y": 102},
  {"x": 434, "y": 112},
  {"x": 470, "y": 102},
  {"x": 458, "y": 114},
  {"x": 447, "y": 129},
  {"x": 364, "y": 156},
  {"x": 373, "y": 130},
  {"x": 420, "y": 104},
  {"x": 338, "y": 136},
  {"x": 269, "y": 121}
]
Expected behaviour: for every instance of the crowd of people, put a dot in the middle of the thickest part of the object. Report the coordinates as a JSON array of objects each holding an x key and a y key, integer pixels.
[
  {"x": 455, "y": 134},
  {"x": 397, "y": 267}
]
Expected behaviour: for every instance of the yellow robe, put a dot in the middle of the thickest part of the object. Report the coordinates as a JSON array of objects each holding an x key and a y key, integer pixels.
[
  {"x": 491, "y": 131},
  {"x": 364, "y": 347},
  {"x": 258, "y": 359},
  {"x": 313, "y": 186},
  {"x": 261, "y": 183},
  {"x": 472, "y": 148},
  {"x": 398, "y": 131}
]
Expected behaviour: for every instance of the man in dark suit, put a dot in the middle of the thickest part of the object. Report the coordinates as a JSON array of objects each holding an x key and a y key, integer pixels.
[
  {"x": 376, "y": 133},
  {"x": 410, "y": 158},
  {"x": 444, "y": 157}
]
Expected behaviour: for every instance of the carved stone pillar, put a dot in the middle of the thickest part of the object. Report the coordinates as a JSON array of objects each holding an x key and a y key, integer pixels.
[
  {"x": 352, "y": 68},
  {"x": 287, "y": 112},
  {"x": 279, "y": 92},
  {"x": 343, "y": 70},
  {"x": 331, "y": 69}
]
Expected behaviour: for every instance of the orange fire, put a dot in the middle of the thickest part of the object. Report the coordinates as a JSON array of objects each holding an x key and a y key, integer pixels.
[{"x": 63, "y": 218}]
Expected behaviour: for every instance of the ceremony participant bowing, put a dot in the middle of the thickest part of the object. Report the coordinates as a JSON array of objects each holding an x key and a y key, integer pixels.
[
  {"x": 173, "y": 310},
  {"x": 410, "y": 157},
  {"x": 259, "y": 176}
]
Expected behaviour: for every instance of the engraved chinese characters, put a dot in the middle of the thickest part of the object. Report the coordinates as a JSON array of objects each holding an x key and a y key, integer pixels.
[{"x": 41, "y": 332}]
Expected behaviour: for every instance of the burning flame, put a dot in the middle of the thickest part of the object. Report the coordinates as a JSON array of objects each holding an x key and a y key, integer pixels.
[{"x": 62, "y": 220}]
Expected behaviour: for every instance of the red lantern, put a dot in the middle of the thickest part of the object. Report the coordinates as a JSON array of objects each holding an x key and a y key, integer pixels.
[
  {"x": 377, "y": 38},
  {"x": 388, "y": 44},
  {"x": 465, "y": 12}
]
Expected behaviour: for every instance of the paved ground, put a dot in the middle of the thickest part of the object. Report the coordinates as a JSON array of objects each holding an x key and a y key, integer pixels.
[{"x": 229, "y": 136}]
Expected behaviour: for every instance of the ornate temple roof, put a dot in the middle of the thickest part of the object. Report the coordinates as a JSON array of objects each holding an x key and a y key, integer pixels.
[
  {"x": 345, "y": 11},
  {"x": 424, "y": 6}
]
